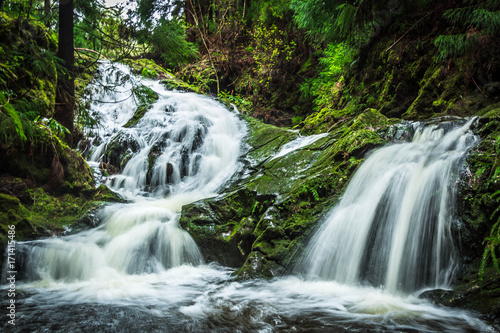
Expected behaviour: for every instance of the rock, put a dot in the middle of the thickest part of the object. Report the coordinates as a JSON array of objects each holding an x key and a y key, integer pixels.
[
  {"x": 492, "y": 89},
  {"x": 120, "y": 150},
  {"x": 481, "y": 295},
  {"x": 259, "y": 223}
]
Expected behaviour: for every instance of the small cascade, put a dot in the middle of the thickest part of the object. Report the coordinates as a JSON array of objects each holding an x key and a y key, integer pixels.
[
  {"x": 393, "y": 225},
  {"x": 300, "y": 142},
  {"x": 183, "y": 149}
]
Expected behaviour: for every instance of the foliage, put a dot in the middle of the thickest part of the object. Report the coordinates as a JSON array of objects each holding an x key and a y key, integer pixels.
[
  {"x": 325, "y": 86},
  {"x": 169, "y": 41},
  {"x": 9, "y": 119},
  {"x": 325, "y": 20},
  {"x": 473, "y": 28},
  {"x": 348, "y": 21},
  {"x": 27, "y": 76},
  {"x": 492, "y": 242}
]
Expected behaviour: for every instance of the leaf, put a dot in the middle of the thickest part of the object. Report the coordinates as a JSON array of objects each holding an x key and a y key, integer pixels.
[{"x": 11, "y": 112}]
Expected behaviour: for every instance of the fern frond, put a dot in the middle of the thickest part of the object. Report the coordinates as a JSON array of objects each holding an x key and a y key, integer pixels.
[
  {"x": 10, "y": 112},
  {"x": 487, "y": 21},
  {"x": 455, "y": 45},
  {"x": 345, "y": 20}
]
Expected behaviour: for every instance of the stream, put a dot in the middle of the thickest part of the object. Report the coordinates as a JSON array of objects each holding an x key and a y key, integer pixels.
[{"x": 137, "y": 270}]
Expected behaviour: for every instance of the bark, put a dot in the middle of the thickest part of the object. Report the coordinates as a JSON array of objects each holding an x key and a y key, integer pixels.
[
  {"x": 65, "y": 96},
  {"x": 46, "y": 7}
]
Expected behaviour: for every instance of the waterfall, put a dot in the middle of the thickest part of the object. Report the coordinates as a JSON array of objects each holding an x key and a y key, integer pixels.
[
  {"x": 393, "y": 225},
  {"x": 137, "y": 270},
  {"x": 183, "y": 149}
]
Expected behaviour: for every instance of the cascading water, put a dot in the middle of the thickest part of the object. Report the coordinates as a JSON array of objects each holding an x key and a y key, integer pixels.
[
  {"x": 393, "y": 225},
  {"x": 139, "y": 271},
  {"x": 185, "y": 146}
]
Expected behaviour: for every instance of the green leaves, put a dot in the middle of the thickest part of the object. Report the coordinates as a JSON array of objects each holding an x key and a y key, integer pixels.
[
  {"x": 476, "y": 23},
  {"x": 169, "y": 40},
  {"x": 8, "y": 111},
  {"x": 492, "y": 242}
]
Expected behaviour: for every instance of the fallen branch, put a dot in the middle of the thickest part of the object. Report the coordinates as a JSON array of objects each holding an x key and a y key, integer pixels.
[
  {"x": 482, "y": 92},
  {"x": 399, "y": 39},
  {"x": 89, "y": 50}
]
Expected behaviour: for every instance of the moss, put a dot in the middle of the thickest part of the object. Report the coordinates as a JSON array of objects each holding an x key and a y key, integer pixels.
[
  {"x": 257, "y": 266},
  {"x": 388, "y": 83},
  {"x": 37, "y": 161},
  {"x": 491, "y": 111},
  {"x": 265, "y": 140},
  {"x": 37, "y": 213},
  {"x": 119, "y": 149},
  {"x": 139, "y": 113},
  {"x": 477, "y": 189},
  {"x": 265, "y": 221},
  {"x": 481, "y": 296},
  {"x": 428, "y": 92},
  {"x": 149, "y": 69},
  {"x": 27, "y": 50}
]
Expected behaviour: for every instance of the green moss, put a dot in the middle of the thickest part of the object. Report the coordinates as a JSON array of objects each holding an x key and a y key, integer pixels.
[
  {"x": 28, "y": 57},
  {"x": 491, "y": 111},
  {"x": 388, "y": 83},
  {"x": 139, "y": 113},
  {"x": 428, "y": 92},
  {"x": 149, "y": 69},
  {"x": 265, "y": 140},
  {"x": 276, "y": 206},
  {"x": 36, "y": 213}
]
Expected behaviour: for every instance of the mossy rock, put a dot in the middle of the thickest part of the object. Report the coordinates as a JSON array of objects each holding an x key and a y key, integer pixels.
[
  {"x": 265, "y": 140},
  {"x": 27, "y": 50},
  {"x": 479, "y": 295},
  {"x": 37, "y": 213},
  {"x": 120, "y": 149},
  {"x": 48, "y": 161},
  {"x": 138, "y": 114},
  {"x": 264, "y": 219},
  {"x": 223, "y": 226},
  {"x": 146, "y": 97},
  {"x": 477, "y": 188},
  {"x": 149, "y": 69}
]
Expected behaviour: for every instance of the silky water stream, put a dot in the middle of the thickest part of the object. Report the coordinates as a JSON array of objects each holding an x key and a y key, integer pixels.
[{"x": 138, "y": 271}]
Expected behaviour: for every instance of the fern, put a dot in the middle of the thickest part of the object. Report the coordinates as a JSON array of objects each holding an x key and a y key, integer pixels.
[
  {"x": 476, "y": 22},
  {"x": 169, "y": 40},
  {"x": 9, "y": 116},
  {"x": 487, "y": 21},
  {"x": 455, "y": 45},
  {"x": 345, "y": 20}
]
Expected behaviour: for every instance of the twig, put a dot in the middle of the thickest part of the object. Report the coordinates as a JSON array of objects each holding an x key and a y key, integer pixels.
[
  {"x": 482, "y": 92},
  {"x": 399, "y": 39},
  {"x": 89, "y": 50},
  {"x": 196, "y": 21}
]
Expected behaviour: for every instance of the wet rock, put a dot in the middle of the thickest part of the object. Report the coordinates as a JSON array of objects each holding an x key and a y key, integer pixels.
[
  {"x": 263, "y": 220},
  {"x": 120, "y": 149}
]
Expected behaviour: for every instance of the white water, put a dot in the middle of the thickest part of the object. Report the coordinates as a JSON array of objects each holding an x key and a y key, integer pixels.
[
  {"x": 300, "y": 142},
  {"x": 194, "y": 137},
  {"x": 138, "y": 271},
  {"x": 392, "y": 227}
]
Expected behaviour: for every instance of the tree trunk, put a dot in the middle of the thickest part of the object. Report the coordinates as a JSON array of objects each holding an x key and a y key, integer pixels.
[
  {"x": 190, "y": 19},
  {"x": 46, "y": 7},
  {"x": 65, "y": 95}
]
